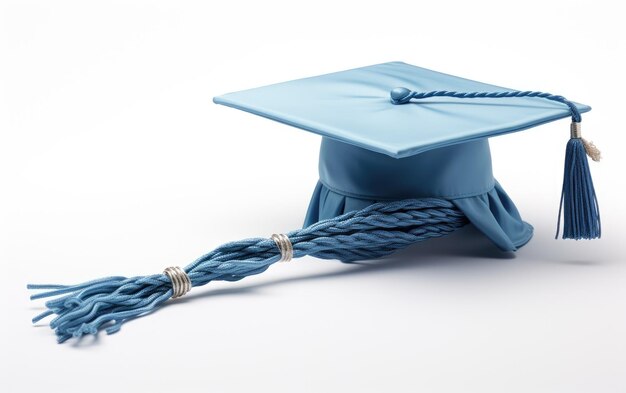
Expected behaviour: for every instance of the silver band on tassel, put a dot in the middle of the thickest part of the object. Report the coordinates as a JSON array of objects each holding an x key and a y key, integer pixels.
[
  {"x": 592, "y": 151},
  {"x": 284, "y": 245},
  {"x": 181, "y": 284},
  {"x": 575, "y": 130}
]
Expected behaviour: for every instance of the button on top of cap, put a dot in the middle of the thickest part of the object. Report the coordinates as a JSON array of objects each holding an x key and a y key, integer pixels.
[{"x": 400, "y": 95}]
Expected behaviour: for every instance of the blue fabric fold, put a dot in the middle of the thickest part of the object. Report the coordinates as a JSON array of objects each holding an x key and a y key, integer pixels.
[
  {"x": 495, "y": 215},
  {"x": 352, "y": 178}
]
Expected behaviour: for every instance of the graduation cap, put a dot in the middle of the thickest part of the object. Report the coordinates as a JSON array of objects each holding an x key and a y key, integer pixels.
[{"x": 404, "y": 157}]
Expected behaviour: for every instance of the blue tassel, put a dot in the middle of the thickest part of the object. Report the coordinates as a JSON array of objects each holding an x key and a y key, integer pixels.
[
  {"x": 579, "y": 205},
  {"x": 372, "y": 232}
]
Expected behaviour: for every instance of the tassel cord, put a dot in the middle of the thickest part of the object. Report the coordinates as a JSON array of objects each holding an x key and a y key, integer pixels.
[
  {"x": 578, "y": 204},
  {"x": 403, "y": 96}
]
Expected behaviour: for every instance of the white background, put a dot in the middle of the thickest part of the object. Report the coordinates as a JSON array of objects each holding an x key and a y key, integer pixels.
[{"x": 113, "y": 160}]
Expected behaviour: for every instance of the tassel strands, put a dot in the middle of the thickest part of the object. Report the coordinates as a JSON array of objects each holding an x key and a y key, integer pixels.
[
  {"x": 373, "y": 232},
  {"x": 579, "y": 204}
]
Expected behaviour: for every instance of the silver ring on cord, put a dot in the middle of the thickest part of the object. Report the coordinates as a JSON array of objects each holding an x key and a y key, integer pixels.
[
  {"x": 181, "y": 284},
  {"x": 575, "y": 130},
  {"x": 284, "y": 245}
]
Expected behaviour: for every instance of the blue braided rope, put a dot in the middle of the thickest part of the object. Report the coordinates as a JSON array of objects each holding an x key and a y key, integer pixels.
[
  {"x": 401, "y": 95},
  {"x": 373, "y": 232}
]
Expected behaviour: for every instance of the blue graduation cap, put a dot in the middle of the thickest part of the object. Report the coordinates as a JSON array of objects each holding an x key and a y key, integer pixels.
[
  {"x": 404, "y": 158},
  {"x": 425, "y": 139}
]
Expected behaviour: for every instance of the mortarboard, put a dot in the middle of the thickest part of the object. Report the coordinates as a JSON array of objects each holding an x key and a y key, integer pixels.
[{"x": 404, "y": 157}]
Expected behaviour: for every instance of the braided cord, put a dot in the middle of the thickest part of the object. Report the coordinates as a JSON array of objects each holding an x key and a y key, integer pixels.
[
  {"x": 375, "y": 231},
  {"x": 402, "y": 95}
]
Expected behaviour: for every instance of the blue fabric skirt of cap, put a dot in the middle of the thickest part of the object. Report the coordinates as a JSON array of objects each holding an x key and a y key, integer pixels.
[{"x": 352, "y": 178}]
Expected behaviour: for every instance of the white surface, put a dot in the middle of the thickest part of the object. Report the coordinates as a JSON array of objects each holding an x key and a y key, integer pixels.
[{"x": 114, "y": 161}]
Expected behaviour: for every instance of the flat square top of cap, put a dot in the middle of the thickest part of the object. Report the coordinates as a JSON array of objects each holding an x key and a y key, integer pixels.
[{"x": 354, "y": 106}]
